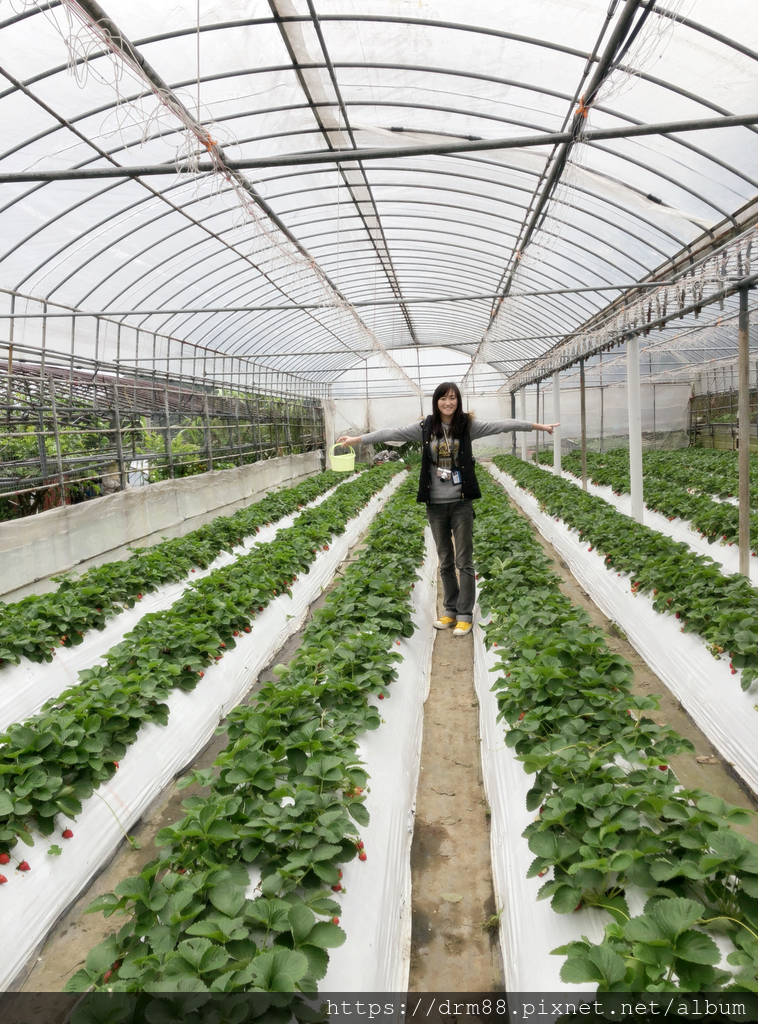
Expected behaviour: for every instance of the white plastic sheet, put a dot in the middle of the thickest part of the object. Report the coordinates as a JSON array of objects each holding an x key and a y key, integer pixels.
[
  {"x": 25, "y": 687},
  {"x": 528, "y": 929},
  {"x": 726, "y": 555},
  {"x": 376, "y": 908},
  {"x": 33, "y": 901},
  {"x": 705, "y": 687}
]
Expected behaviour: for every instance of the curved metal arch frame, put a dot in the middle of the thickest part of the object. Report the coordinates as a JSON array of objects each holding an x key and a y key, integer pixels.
[{"x": 707, "y": 156}]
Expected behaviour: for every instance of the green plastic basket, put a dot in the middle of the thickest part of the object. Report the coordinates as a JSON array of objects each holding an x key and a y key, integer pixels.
[{"x": 342, "y": 463}]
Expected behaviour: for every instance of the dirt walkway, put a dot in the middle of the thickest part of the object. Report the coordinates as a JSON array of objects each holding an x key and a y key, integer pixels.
[{"x": 450, "y": 859}]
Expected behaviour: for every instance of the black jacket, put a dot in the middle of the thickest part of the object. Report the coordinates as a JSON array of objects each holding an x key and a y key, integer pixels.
[{"x": 466, "y": 464}]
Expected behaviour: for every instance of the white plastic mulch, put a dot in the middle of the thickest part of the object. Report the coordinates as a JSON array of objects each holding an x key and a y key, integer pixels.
[
  {"x": 528, "y": 929},
  {"x": 726, "y": 555},
  {"x": 33, "y": 900},
  {"x": 25, "y": 687},
  {"x": 376, "y": 907},
  {"x": 704, "y": 685}
]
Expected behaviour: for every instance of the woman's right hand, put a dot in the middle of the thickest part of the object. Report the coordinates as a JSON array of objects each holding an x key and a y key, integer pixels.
[{"x": 349, "y": 440}]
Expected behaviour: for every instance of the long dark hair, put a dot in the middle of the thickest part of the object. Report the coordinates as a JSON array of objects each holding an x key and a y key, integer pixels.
[{"x": 460, "y": 418}]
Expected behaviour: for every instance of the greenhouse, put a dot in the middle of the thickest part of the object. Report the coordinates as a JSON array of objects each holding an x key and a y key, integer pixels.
[{"x": 378, "y": 464}]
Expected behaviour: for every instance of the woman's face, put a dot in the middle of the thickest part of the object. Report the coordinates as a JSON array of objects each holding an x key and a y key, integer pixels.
[{"x": 447, "y": 404}]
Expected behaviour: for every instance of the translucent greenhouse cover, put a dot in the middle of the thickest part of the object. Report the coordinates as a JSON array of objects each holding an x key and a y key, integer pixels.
[{"x": 310, "y": 266}]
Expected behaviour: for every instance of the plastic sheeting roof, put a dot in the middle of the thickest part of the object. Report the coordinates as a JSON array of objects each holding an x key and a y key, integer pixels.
[{"x": 406, "y": 253}]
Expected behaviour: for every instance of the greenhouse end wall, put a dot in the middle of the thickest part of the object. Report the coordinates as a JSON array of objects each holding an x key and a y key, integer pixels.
[{"x": 74, "y": 537}]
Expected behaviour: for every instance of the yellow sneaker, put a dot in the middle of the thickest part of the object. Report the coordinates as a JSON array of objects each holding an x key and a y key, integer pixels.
[
  {"x": 444, "y": 622},
  {"x": 462, "y": 628}
]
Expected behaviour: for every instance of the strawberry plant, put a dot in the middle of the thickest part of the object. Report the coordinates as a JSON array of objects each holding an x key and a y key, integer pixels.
[
  {"x": 611, "y": 814},
  {"x": 33, "y": 627},
  {"x": 286, "y": 795},
  {"x": 56, "y": 759},
  {"x": 722, "y": 609}
]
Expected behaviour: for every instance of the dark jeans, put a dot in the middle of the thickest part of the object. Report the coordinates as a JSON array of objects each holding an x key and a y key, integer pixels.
[{"x": 453, "y": 531}]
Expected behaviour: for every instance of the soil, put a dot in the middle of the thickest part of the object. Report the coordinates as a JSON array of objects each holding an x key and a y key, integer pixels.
[{"x": 453, "y": 901}]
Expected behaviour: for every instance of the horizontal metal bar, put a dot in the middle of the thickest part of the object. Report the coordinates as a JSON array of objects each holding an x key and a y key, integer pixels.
[
  {"x": 352, "y": 155},
  {"x": 182, "y": 311},
  {"x": 731, "y": 289}
]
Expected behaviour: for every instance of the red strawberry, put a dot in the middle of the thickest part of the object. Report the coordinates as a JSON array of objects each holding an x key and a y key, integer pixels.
[
  {"x": 4, "y": 858},
  {"x": 139, "y": 597},
  {"x": 236, "y": 633},
  {"x": 67, "y": 834},
  {"x": 335, "y": 920},
  {"x": 397, "y": 642},
  {"x": 107, "y": 976},
  {"x": 663, "y": 767},
  {"x": 363, "y": 855},
  {"x": 521, "y": 715},
  {"x": 3, "y": 879},
  {"x": 260, "y": 607},
  {"x": 337, "y": 888},
  {"x": 540, "y": 874},
  {"x": 24, "y": 866},
  {"x": 359, "y": 844},
  {"x": 339, "y": 873},
  {"x": 381, "y": 696},
  {"x": 247, "y": 629},
  {"x": 115, "y": 765},
  {"x": 222, "y": 644},
  {"x": 201, "y": 674},
  {"x": 194, "y": 570}
]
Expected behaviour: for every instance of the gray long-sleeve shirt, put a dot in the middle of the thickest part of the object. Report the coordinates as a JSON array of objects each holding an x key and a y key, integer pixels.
[{"x": 443, "y": 490}]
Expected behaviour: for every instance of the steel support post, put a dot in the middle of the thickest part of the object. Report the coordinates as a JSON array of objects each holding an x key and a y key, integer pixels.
[
  {"x": 522, "y": 410},
  {"x": 119, "y": 438},
  {"x": 635, "y": 426},
  {"x": 537, "y": 433},
  {"x": 167, "y": 436},
  {"x": 557, "y": 419},
  {"x": 744, "y": 433},
  {"x": 513, "y": 417},
  {"x": 583, "y": 419},
  {"x": 208, "y": 440},
  {"x": 56, "y": 432}
]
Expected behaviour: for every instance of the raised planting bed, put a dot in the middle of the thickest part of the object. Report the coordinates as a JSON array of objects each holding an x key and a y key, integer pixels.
[
  {"x": 711, "y": 520},
  {"x": 25, "y": 687},
  {"x": 35, "y": 627},
  {"x": 704, "y": 686},
  {"x": 726, "y": 555},
  {"x": 248, "y": 889},
  {"x": 612, "y": 830},
  {"x": 167, "y": 742}
]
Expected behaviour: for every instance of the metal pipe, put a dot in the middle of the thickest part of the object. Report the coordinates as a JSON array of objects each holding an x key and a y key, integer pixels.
[
  {"x": 583, "y": 421},
  {"x": 56, "y": 432},
  {"x": 269, "y": 308},
  {"x": 167, "y": 438},
  {"x": 522, "y": 410},
  {"x": 744, "y": 433},
  {"x": 390, "y": 152},
  {"x": 635, "y": 426},
  {"x": 513, "y": 417},
  {"x": 557, "y": 418}
]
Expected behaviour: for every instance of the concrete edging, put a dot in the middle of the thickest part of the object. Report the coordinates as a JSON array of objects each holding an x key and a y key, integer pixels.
[{"x": 101, "y": 530}]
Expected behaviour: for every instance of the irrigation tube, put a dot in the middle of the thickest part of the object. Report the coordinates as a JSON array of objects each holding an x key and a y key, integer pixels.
[
  {"x": 704, "y": 685},
  {"x": 34, "y": 900},
  {"x": 25, "y": 687}
]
